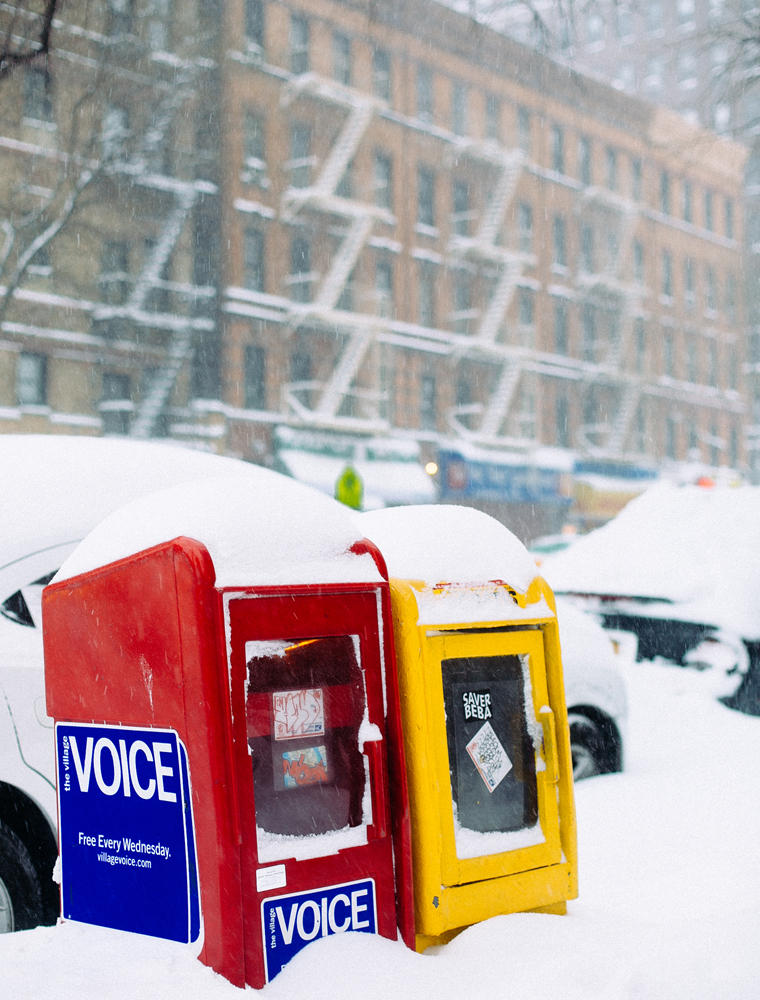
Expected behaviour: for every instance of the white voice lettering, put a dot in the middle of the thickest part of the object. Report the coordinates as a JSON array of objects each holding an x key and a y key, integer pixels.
[{"x": 83, "y": 773}]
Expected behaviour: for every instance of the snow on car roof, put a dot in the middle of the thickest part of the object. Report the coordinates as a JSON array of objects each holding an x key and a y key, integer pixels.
[
  {"x": 448, "y": 544},
  {"x": 56, "y": 488},
  {"x": 260, "y": 529},
  {"x": 697, "y": 548}
]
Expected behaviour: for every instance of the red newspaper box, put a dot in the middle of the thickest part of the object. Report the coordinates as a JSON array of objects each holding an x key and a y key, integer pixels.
[{"x": 220, "y": 664}]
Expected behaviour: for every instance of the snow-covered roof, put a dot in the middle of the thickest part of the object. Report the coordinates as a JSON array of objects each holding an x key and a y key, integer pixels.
[
  {"x": 56, "y": 488},
  {"x": 260, "y": 529},
  {"x": 697, "y": 548}
]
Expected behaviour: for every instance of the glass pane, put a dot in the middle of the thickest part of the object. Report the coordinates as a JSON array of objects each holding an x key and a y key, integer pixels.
[
  {"x": 491, "y": 755},
  {"x": 304, "y": 706}
]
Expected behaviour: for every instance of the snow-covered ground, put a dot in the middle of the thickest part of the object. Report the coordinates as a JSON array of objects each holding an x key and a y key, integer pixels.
[{"x": 669, "y": 905}]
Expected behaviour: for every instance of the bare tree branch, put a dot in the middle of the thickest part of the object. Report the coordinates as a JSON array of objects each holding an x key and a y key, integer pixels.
[{"x": 33, "y": 41}]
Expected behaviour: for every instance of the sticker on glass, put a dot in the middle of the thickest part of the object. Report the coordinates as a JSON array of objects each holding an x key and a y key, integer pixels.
[
  {"x": 305, "y": 767},
  {"x": 298, "y": 713},
  {"x": 476, "y": 704},
  {"x": 489, "y": 756}
]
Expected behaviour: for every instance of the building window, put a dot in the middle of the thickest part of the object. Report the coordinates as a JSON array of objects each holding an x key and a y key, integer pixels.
[
  {"x": 688, "y": 283},
  {"x": 560, "y": 242},
  {"x": 254, "y": 22},
  {"x": 638, "y": 262},
  {"x": 381, "y": 74},
  {"x": 345, "y": 186},
  {"x": 687, "y": 69},
  {"x": 594, "y": 29},
  {"x": 588, "y": 323},
  {"x": 459, "y": 109},
  {"x": 670, "y": 437},
  {"x": 712, "y": 363},
  {"x": 254, "y": 260},
  {"x": 732, "y": 367},
  {"x": 668, "y": 353},
  {"x": 462, "y": 302},
  {"x": 731, "y": 298},
  {"x": 665, "y": 192},
  {"x": 687, "y": 202},
  {"x": 729, "y": 218},
  {"x": 300, "y": 269},
  {"x": 255, "y": 377},
  {"x": 114, "y": 271},
  {"x": 461, "y": 215},
  {"x": 426, "y": 294},
  {"x": 493, "y": 112},
  {"x": 525, "y": 227},
  {"x": 300, "y": 372},
  {"x": 667, "y": 274},
  {"x": 636, "y": 179},
  {"x": 38, "y": 102},
  {"x": 587, "y": 249},
  {"x": 299, "y": 44},
  {"x": 254, "y": 162},
  {"x": 733, "y": 447},
  {"x": 711, "y": 290},
  {"x": 425, "y": 197},
  {"x": 715, "y": 444},
  {"x": 692, "y": 374},
  {"x": 300, "y": 156},
  {"x": 427, "y": 403},
  {"x": 655, "y": 73},
  {"x": 584, "y": 160},
  {"x": 383, "y": 181},
  {"x": 116, "y": 403},
  {"x": 685, "y": 11},
  {"x": 425, "y": 94},
  {"x": 641, "y": 345},
  {"x": 611, "y": 169},
  {"x": 641, "y": 429},
  {"x": 524, "y": 131},
  {"x": 709, "y": 210},
  {"x": 560, "y": 327},
  {"x": 114, "y": 130},
  {"x": 562, "y": 420},
  {"x": 654, "y": 16},
  {"x": 384, "y": 288},
  {"x": 31, "y": 379},
  {"x": 526, "y": 309},
  {"x": 342, "y": 58},
  {"x": 558, "y": 149}
]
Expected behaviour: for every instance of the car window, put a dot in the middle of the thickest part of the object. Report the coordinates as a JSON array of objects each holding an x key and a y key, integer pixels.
[{"x": 25, "y": 605}]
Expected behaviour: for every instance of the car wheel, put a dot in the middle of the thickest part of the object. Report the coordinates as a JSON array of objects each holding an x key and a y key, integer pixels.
[
  {"x": 587, "y": 747},
  {"x": 20, "y": 890}
]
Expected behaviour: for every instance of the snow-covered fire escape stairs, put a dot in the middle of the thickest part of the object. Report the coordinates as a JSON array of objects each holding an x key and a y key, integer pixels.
[
  {"x": 484, "y": 246},
  {"x": 362, "y": 216}
]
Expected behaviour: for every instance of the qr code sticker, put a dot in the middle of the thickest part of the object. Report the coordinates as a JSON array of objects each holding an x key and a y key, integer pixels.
[{"x": 489, "y": 756}]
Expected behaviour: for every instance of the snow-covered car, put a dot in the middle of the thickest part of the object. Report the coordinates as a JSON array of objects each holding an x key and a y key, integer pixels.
[
  {"x": 678, "y": 573},
  {"x": 55, "y": 490}
]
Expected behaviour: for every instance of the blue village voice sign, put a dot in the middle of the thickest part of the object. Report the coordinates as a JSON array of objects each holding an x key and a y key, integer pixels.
[
  {"x": 126, "y": 834},
  {"x": 289, "y": 923}
]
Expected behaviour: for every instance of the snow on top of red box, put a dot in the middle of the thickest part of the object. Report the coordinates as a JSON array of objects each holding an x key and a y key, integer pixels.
[{"x": 260, "y": 529}]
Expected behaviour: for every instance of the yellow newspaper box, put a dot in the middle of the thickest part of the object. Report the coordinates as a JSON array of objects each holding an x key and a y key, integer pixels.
[{"x": 484, "y": 718}]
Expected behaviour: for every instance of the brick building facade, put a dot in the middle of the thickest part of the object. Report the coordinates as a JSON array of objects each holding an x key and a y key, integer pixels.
[{"x": 420, "y": 232}]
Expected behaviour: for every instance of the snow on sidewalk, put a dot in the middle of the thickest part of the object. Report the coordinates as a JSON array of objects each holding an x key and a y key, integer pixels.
[{"x": 669, "y": 905}]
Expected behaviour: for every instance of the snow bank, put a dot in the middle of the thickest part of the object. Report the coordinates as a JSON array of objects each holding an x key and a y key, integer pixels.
[
  {"x": 668, "y": 910},
  {"x": 448, "y": 544},
  {"x": 260, "y": 529},
  {"x": 696, "y": 548}
]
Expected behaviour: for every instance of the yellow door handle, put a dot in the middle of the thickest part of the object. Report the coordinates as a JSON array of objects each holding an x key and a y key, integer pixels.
[{"x": 550, "y": 744}]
